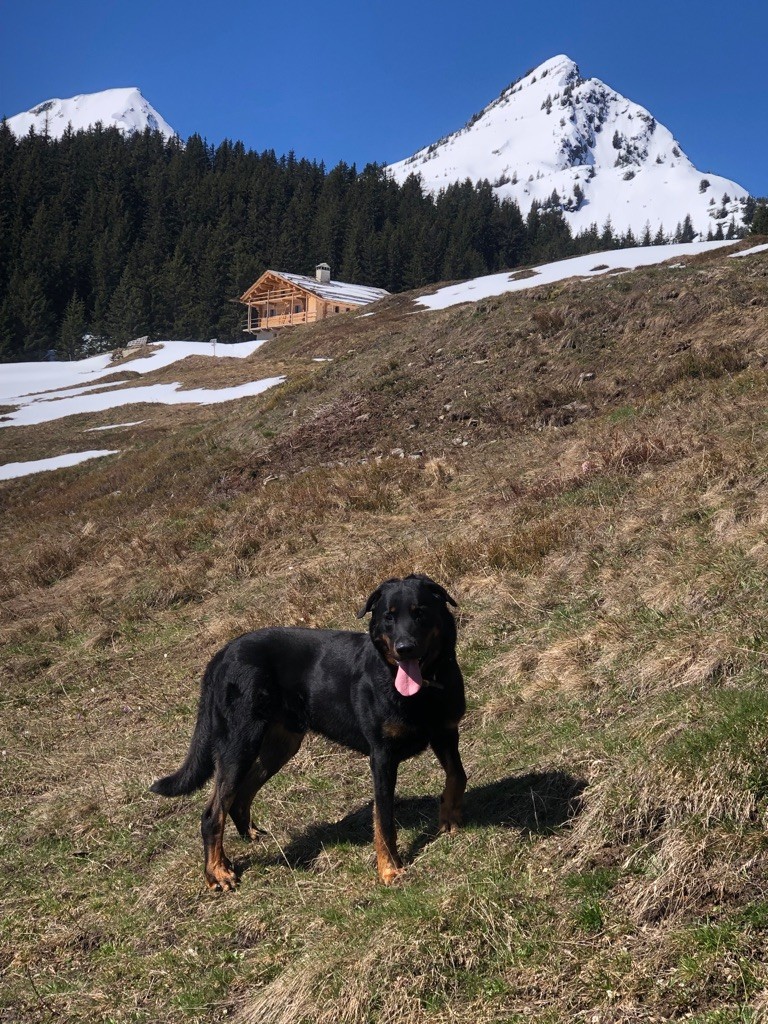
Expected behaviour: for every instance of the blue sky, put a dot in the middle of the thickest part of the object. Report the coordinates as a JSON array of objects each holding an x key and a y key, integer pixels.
[{"x": 374, "y": 81}]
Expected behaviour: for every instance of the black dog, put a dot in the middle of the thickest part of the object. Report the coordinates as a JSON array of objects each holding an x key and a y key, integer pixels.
[{"x": 388, "y": 694}]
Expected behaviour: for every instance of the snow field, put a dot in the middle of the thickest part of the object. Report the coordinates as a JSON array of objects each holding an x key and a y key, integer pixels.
[{"x": 50, "y": 391}]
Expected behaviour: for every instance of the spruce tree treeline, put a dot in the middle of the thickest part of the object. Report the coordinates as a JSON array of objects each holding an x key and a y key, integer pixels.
[{"x": 117, "y": 237}]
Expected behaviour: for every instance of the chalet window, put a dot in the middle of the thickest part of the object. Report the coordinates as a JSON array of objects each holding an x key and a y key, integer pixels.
[
  {"x": 298, "y": 308},
  {"x": 335, "y": 309}
]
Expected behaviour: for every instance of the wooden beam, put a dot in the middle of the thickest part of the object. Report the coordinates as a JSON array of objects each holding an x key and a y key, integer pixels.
[{"x": 267, "y": 278}]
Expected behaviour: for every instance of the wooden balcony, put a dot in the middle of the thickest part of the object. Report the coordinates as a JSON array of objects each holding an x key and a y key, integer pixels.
[{"x": 265, "y": 319}]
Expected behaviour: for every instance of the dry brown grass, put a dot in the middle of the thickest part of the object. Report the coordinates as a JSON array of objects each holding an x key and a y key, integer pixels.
[{"x": 607, "y": 544}]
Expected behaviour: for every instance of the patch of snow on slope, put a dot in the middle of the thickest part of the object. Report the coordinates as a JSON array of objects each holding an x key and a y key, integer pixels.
[
  {"x": 51, "y": 408},
  {"x": 49, "y": 391},
  {"x": 12, "y": 470},
  {"x": 750, "y": 252},
  {"x": 592, "y": 265},
  {"x": 113, "y": 426},
  {"x": 20, "y": 382}
]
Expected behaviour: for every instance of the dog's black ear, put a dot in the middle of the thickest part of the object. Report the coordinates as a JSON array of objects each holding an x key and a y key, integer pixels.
[
  {"x": 375, "y": 596},
  {"x": 435, "y": 588},
  {"x": 370, "y": 603}
]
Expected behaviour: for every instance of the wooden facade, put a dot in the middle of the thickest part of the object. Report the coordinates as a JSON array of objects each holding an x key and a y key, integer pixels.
[{"x": 283, "y": 300}]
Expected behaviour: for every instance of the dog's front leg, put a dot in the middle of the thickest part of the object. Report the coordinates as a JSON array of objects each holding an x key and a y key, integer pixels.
[
  {"x": 384, "y": 771},
  {"x": 446, "y": 747}
]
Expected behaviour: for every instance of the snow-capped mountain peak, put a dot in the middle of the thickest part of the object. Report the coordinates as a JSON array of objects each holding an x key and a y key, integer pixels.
[
  {"x": 125, "y": 109},
  {"x": 557, "y": 138}
]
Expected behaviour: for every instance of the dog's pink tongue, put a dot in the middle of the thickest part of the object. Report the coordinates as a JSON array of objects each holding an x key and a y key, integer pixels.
[{"x": 408, "y": 678}]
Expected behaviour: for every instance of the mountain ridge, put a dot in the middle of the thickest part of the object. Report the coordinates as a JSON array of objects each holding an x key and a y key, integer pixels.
[
  {"x": 551, "y": 138},
  {"x": 560, "y": 140},
  {"x": 123, "y": 108}
]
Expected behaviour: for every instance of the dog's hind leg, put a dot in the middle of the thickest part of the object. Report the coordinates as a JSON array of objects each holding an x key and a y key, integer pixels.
[
  {"x": 219, "y": 871},
  {"x": 446, "y": 748},
  {"x": 277, "y": 748},
  {"x": 232, "y": 767}
]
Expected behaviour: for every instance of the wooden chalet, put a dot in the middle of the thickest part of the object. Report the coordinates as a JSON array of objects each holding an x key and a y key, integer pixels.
[{"x": 283, "y": 300}]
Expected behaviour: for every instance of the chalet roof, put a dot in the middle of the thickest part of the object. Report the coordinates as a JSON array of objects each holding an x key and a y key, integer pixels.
[{"x": 331, "y": 291}]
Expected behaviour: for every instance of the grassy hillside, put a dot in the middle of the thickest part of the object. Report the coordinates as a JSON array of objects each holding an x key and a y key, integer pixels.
[{"x": 585, "y": 467}]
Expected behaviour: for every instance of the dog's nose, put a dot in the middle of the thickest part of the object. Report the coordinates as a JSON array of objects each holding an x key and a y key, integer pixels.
[{"x": 405, "y": 649}]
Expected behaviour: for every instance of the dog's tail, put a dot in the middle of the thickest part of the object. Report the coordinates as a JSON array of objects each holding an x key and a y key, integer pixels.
[{"x": 198, "y": 764}]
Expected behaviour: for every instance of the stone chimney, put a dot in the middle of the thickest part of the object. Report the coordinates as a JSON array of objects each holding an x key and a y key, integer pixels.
[{"x": 323, "y": 273}]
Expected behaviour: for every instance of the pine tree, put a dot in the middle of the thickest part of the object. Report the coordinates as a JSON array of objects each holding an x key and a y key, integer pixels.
[
  {"x": 760, "y": 219},
  {"x": 35, "y": 317},
  {"x": 176, "y": 297},
  {"x": 72, "y": 328},
  {"x": 128, "y": 316},
  {"x": 10, "y": 340},
  {"x": 687, "y": 233}
]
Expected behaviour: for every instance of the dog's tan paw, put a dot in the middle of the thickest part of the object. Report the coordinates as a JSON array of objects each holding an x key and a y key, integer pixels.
[
  {"x": 221, "y": 877},
  {"x": 390, "y": 875},
  {"x": 253, "y": 833},
  {"x": 450, "y": 823}
]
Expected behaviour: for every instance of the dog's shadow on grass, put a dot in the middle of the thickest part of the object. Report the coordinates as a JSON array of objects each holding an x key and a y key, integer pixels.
[{"x": 538, "y": 803}]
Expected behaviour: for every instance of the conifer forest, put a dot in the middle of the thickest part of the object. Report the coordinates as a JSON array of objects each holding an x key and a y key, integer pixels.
[{"x": 106, "y": 237}]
